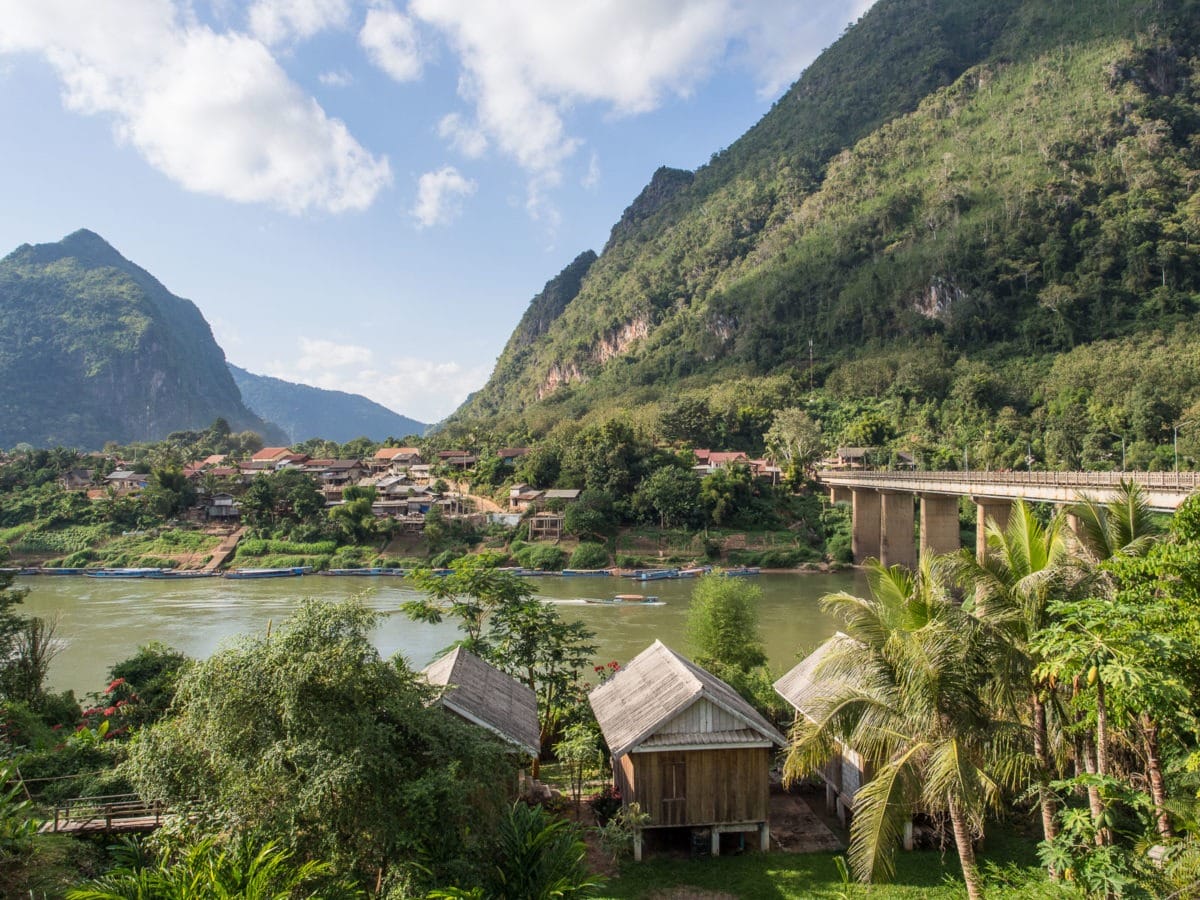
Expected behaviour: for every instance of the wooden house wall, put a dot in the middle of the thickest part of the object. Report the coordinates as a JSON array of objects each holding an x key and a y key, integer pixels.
[
  {"x": 702, "y": 717},
  {"x": 698, "y": 787}
]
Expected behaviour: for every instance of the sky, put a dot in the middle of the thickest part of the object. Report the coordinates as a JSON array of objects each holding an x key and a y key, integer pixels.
[{"x": 364, "y": 195}]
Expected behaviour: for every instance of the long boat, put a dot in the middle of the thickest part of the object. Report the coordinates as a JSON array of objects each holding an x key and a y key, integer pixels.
[
  {"x": 269, "y": 573},
  {"x": 656, "y": 574},
  {"x": 582, "y": 572},
  {"x": 742, "y": 571},
  {"x": 624, "y": 600},
  {"x": 694, "y": 571},
  {"x": 59, "y": 570},
  {"x": 123, "y": 573},
  {"x": 377, "y": 570},
  {"x": 175, "y": 575}
]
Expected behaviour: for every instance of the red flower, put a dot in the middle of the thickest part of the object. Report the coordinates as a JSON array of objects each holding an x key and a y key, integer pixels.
[
  {"x": 111, "y": 711},
  {"x": 598, "y": 668},
  {"x": 614, "y": 665},
  {"x": 116, "y": 684}
]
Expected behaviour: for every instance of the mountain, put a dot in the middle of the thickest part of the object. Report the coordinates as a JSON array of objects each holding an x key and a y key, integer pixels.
[
  {"x": 958, "y": 207},
  {"x": 94, "y": 349},
  {"x": 307, "y": 412}
]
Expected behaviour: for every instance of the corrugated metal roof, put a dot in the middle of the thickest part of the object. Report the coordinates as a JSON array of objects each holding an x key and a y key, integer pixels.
[
  {"x": 798, "y": 686},
  {"x": 480, "y": 692},
  {"x": 653, "y": 688},
  {"x": 703, "y": 738}
]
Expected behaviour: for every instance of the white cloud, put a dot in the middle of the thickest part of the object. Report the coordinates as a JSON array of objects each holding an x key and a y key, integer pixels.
[
  {"x": 592, "y": 178},
  {"x": 278, "y": 21},
  {"x": 440, "y": 195},
  {"x": 425, "y": 389},
  {"x": 527, "y": 62},
  {"x": 390, "y": 39},
  {"x": 470, "y": 142},
  {"x": 214, "y": 112},
  {"x": 317, "y": 355},
  {"x": 336, "y": 78}
]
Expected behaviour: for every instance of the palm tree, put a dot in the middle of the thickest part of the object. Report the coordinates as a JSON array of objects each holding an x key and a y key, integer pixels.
[
  {"x": 1124, "y": 526},
  {"x": 906, "y": 686},
  {"x": 1027, "y": 566}
]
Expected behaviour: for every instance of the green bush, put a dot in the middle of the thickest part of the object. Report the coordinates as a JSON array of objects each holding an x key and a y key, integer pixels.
[
  {"x": 541, "y": 556},
  {"x": 839, "y": 549},
  {"x": 589, "y": 556}
]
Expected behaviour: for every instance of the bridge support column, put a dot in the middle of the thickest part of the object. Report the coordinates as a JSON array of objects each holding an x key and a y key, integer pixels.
[
  {"x": 988, "y": 509},
  {"x": 897, "y": 545},
  {"x": 840, "y": 494},
  {"x": 939, "y": 524},
  {"x": 864, "y": 524}
]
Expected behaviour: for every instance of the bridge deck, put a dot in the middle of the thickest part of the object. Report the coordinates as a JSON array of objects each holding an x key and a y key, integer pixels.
[
  {"x": 1165, "y": 491},
  {"x": 112, "y": 814}
]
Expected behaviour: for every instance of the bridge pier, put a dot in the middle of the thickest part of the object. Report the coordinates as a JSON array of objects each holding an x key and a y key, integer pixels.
[
  {"x": 840, "y": 494},
  {"x": 864, "y": 524},
  {"x": 988, "y": 509},
  {"x": 939, "y": 524},
  {"x": 896, "y": 544}
]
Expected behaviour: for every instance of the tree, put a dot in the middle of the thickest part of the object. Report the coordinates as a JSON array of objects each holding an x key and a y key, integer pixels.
[
  {"x": 307, "y": 737},
  {"x": 529, "y": 640},
  {"x": 671, "y": 493},
  {"x": 906, "y": 686},
  {"x": 726, "y": 493},
  {"x": 354, "y": 515},
  {"x": 722, "y": 624},
  {"x": 795, "y": 440},
  {"x": 148, "y": 681},
  {"x": 591, "y": 516},
  {"x": 1124, "y": 526},
  {"x": 1027, "y": 566},
  {"x": 470, "y": 593}
]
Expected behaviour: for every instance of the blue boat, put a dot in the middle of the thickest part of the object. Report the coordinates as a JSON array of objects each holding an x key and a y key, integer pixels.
[
  {"x": 369, "y": 571},
  {"x": 172, "y": 575},
  {"x": 625, "y": 600},
  {"x": 292, "y": 572},
  {"x": 656, "y": 575},
  {"x": 123, "y": 573}
]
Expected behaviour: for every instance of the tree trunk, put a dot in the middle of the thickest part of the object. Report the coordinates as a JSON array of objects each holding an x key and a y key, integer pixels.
[
  {"x": 1042, "y": 753},
  {"x": 1158, "y": 789},
  {"x": 1095, "y": 803},
  {"x": 1101, "y": 729},
  {"x": 966, "y": 850}
]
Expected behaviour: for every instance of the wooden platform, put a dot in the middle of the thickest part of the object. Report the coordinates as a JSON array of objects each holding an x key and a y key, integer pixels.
[{"x": 112, "y": 814}]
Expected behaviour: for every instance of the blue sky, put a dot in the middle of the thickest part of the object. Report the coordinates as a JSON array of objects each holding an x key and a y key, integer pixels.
[{"x": 366, "y": 195}]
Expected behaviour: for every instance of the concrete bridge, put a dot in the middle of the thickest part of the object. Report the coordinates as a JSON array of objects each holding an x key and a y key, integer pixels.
[{"x": 883, "y": 516}]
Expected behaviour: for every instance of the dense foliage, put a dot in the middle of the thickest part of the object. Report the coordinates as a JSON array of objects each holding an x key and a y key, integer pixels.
[{"x": 958, "y": 218}]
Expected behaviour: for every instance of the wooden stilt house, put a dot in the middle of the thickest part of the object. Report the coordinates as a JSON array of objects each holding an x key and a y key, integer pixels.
[
  {"x": 686, "y": 747},
  {"x": 846, "y": 772},
  {"x": 483, "y": 695}
]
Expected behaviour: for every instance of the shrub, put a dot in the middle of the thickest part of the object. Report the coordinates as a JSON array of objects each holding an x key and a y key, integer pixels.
[
  {"x": 541, "y": 556},
  {"x": 589, "y": 556}
]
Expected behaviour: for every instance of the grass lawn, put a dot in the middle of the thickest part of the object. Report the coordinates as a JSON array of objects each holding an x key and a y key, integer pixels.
[{"x": 783, "y": 876}]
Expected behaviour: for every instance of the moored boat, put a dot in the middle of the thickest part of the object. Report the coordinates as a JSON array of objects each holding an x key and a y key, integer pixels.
[
  {"x": 694, "y": 571},
  {"x": 266, "y": 573},
  {"x": 581, "y": 572},
  {"x": 175, "y": 574},
  {"x": 59, "y": 570},
  {"x": 656, "y": 574},
  {"x": 742, "y": 571},
  {"x": 124, "y": 573},
  {"x": 368, "y": 571}
]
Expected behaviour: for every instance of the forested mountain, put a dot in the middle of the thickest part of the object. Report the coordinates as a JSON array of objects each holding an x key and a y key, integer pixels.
[
  {"x": 308, "y": 412},
  {"x": 94, "y": 349},
  {"x": 980, "y": 213}
]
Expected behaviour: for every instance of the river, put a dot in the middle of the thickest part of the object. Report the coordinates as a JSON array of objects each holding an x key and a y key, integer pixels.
[{"x": 101, "y": 621}]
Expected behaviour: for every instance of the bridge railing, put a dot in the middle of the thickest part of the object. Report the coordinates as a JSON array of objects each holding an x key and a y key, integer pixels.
[
  {"x": 1181, "y": 481},
  {"x": 83, "y": 811}
]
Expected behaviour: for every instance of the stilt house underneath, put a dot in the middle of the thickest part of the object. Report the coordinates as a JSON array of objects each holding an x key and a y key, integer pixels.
[
  {"x": 483, "y": 695},
  {"x": 686, "y": 747}
]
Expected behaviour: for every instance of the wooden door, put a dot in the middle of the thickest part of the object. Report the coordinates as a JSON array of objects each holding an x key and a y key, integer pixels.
[{"x": 674, "y": 791}]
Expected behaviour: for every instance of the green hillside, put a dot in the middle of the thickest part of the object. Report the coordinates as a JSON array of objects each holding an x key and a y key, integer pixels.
[
  {"x": 94, "y": 349},
  {"x": 961, "y": 205},
  {"x": 307, "y": 412}
]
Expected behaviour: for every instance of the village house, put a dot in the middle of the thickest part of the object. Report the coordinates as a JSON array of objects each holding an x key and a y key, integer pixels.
[
  {"x": 456, "y": 459},
  {"x": 270, "y": 454},
  {"x": 222, "y": 508},
  {"x": 394, "y": 459},
  {"x": 686, "y": 747},
  {"x": 847, "y": 771},
  {"x": 481, "y": 694},
  {"x": 124, "y": 481},
  {"x": 421, "y": 473},
  {"x": 850, "y": 458},
  {"x": 76, "y": 479},
  {"x": 521, "y": 497},
  {"x": 509, "y": 455}
]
